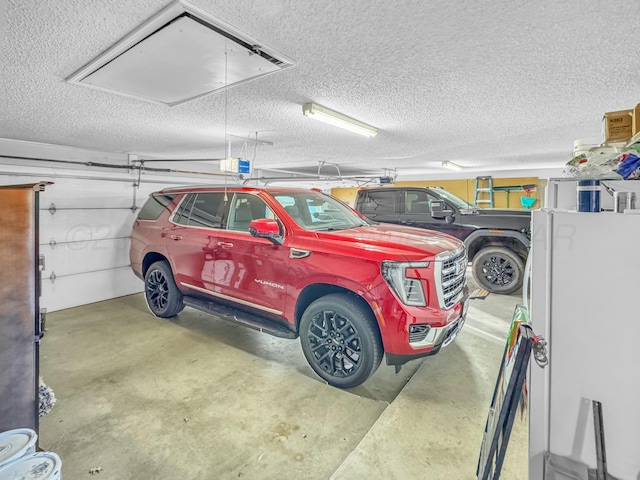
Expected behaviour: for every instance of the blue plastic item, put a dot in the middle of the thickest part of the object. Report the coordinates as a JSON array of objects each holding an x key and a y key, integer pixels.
[
  {"x": 528, "y": 202},
  {"x": 588, "y": 195},
  {"x": 629, "y": 163}
]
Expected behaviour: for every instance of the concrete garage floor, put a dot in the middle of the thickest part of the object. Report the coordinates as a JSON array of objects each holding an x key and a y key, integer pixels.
[{"x": 200, "y": 398}]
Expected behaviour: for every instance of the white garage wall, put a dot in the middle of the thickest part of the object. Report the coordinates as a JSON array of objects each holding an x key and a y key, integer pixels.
[
  {"x": 85, "y": 219},
  {"x": 85, "y": 241}
]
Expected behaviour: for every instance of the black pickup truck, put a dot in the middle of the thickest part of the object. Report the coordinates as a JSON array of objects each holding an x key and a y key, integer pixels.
[{"x": 497, "y": 241}]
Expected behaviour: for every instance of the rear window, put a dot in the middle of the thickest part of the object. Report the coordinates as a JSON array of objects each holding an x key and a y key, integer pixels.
[
  {"x": 154, "y": 206},
  {"x": 184, "y": 210}
]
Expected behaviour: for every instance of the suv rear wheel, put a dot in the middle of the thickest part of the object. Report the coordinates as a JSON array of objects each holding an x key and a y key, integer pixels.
[
  {"x": 340, "y": 341},
  {"x": 164, "y": 299},
  {"x": 498, "y": 269}
]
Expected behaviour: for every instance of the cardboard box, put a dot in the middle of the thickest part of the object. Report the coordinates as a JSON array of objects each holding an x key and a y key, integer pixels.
[
  {"x": 618, "y": 126},
  {"x": 636, "y": 120}
]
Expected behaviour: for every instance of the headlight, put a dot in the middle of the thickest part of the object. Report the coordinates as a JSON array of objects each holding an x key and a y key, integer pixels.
[{"x": 408, "y": 288}]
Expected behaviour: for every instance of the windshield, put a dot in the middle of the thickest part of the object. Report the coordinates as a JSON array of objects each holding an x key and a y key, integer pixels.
[
  {"x": 457, "y": 201},
  {"x": 319, "y": 212}
]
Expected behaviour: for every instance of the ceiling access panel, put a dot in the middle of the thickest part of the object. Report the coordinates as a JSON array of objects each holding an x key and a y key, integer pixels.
[{"x": 180, "y": 54}]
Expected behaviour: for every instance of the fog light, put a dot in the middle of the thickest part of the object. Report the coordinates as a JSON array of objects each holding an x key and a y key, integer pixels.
[{"x": 417, "y": 333}]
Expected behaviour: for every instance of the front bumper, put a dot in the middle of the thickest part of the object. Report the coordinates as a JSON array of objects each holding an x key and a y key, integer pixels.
[
  {"x": 437, "y": 338},
  {"x": 443, "y": 335}
]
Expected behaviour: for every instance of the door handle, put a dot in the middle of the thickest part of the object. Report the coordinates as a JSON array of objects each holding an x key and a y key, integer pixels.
[
  {"x": 175, "y": 237},
  {"x": 225, "y": 244}
]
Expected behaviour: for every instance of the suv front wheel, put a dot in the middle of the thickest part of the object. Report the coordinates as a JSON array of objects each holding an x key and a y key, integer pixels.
[
  {"x": 498, "y": 269},
  {"x": 340, "y": 341},
  {"x": 164, "y": 299}
]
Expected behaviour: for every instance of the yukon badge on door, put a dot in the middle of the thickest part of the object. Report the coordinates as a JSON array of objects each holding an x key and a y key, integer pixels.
[{"x": 269, "y": 284}]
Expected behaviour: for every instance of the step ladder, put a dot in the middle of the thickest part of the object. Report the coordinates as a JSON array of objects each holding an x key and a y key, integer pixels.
[{"x": 484, "y": 186}]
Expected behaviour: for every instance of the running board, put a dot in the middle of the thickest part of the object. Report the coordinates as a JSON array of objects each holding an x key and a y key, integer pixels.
[{"x": 242, "y": 318}]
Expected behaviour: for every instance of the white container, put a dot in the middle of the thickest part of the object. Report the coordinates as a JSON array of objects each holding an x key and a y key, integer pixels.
[
  {"x": 16, "y": 443},
  {"x": 624, "y": 201},
  {"x": 36, "y": 466}
]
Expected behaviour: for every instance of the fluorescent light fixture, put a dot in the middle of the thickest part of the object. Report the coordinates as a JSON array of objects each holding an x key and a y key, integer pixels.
[
  {"x": 338, "y": 119},
  {"x": 452, "y": 166}
]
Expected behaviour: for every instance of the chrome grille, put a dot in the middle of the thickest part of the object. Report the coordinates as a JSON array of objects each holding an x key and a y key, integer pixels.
[{"x": 453, "y": 269}]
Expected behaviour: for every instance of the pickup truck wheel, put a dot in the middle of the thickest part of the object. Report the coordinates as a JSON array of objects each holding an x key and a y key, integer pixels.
[
  {"x": 340, "y": 340},
  {"x": 163, "y": 297},
  {"x": 497, "y": 269}
]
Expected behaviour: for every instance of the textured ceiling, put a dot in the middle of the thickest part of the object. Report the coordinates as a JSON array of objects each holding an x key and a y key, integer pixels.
[{"x": 490, "y": 85}]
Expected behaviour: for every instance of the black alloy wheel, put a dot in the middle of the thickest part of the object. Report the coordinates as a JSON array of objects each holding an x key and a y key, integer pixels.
[
  {"x": 499, "y": 270},
  {"x": 340, "y": 341},
  {"x": 163, "y": 297}
]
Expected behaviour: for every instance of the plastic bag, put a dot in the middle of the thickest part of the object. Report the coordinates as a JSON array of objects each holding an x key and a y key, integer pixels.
[
  {"x": 47, "y": 398},
  {"x": 628, "y": 165},
  {"x": 604, "y": 164}
]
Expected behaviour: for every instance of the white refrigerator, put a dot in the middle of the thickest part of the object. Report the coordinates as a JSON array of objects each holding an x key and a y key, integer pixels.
[{"x": 585, "y": 301}]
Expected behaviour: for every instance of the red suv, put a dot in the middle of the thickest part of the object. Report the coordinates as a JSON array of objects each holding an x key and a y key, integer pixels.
[{"x": 293, "y": 262}]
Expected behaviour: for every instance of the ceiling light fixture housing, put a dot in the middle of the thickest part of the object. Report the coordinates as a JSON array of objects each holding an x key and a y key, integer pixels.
[
  {"x": 180, "y": 54},
  {"x": 338, "y": 119},
  {"x": 452, "y": 166}
]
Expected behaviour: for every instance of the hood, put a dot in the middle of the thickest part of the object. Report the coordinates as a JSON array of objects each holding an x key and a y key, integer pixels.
[{"x": 391, "y": 242}]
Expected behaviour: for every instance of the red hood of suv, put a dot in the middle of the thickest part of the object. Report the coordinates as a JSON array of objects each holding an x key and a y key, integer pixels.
[{"x": 406, "y": 242}]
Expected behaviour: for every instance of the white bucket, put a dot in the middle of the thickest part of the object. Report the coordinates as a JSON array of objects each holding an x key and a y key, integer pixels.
[
  {"x": 623, "y": 201},
  {"x": 16, "y": 443},
  {"x": 40, "y": 466}
]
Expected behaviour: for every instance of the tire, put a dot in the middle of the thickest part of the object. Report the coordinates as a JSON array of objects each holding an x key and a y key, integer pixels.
[
  {"x": 498, "y": 270},
  {"x": 163, "y": 297},
  {"x": 340, "y": 340}
]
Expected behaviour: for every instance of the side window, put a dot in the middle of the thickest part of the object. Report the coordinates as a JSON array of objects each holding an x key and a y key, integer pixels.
[
  {"x": 154, "y": 207},
  {"x": 380, "y": 201},
  {"x": 207, "y": 210},
  {"x": 184, "y": 210},
  {"x": 418, "y": 201},
  {"x": 245, "y": 208}
]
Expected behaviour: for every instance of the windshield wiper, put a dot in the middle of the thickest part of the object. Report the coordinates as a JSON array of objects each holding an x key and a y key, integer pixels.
[
  {"x": 341, "y": 227},
  {"x": 331, "y": 229}
]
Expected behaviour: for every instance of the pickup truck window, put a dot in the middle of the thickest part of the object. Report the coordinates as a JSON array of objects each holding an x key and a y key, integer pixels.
[
  {"x": 380, "y": 201},
  {"x": 457, "y": 201},
  {"x": 418, "y": 201}
]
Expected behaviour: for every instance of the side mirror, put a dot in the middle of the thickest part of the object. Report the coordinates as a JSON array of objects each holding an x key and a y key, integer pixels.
[
  {"x": 439, "y": 212},
  {"x": 266, "y": 228}
]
